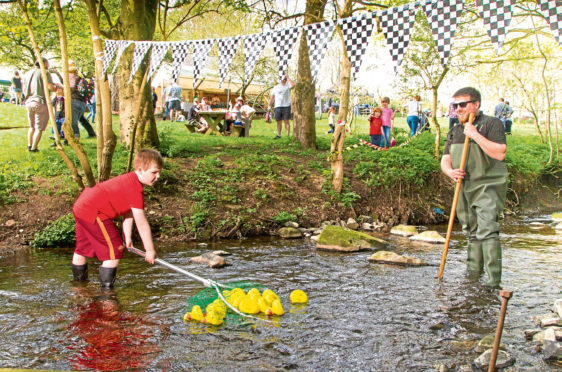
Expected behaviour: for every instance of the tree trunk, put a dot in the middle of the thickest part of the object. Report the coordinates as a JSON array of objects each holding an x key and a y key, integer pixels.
[
  {"x": 73, "y": 170},
  {"x": 304, "y": 97},
  {"x": 435, "y": 122},
  {"x": 106, "y": 139},
  {"x": 339, "y": 135},
  {"x": 137, "y": 22}
]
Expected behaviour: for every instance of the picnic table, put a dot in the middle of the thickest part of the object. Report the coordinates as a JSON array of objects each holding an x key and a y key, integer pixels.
[{"x": 213, "y": 118}]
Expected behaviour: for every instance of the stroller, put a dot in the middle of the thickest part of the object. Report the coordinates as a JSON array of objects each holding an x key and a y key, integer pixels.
[{"x": 424, "y": 121}]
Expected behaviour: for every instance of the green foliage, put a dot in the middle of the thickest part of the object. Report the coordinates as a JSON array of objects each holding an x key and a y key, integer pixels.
[
  {"x": 282, "y": 217},
  {"x": 61, "y": 232}
]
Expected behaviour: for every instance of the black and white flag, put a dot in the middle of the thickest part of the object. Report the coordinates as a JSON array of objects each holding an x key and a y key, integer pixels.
[
  {"x": 253, "y": 46},
  {"x": 396, "y": 24},
  {"x": 442, "y": 16},
  {"x": 318, "y": 35},
  {"x": 159, "y": 50},
  {"x": 496, "y": 15},
  {"x": 201, "y": 50},
  {"x": 141, "y": 47},
  {"x": 357, "y": 32},
  {"x": 180, "y": 51},
  {"x": 109, "y": 49},
  {"x": 227, "y": 49},
  {"x": 552, "y": 11},
  {"x": 121, "y": 46},
  {"x": 283, "y": 44}
]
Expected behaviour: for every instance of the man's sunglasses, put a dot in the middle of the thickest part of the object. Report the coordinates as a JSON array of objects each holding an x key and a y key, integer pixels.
[{"x": 462, "y": 104}]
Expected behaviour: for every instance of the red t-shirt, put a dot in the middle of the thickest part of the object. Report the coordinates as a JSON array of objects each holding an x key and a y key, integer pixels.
[
  {"x": 110, "y": 199},
  {"x": 376, "y": 125}
]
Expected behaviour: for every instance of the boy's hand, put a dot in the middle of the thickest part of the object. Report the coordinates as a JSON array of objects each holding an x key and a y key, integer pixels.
[{"x": 150, "y": 257}]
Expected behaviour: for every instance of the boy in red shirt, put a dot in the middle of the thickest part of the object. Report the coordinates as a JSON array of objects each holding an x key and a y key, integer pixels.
[
  {"x": 97, "y": 207},
  {"x": 376, "y": 126}
]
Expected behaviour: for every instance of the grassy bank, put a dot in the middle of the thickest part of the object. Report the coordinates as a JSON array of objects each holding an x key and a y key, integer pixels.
[{"x": 214, "y": 186}]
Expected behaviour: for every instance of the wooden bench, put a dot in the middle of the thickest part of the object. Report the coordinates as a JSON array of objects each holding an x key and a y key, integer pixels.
[{"x": 190, "y": 125}]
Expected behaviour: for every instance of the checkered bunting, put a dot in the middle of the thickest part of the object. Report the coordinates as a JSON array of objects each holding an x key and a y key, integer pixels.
[
  {"x": 180, "y": 51},
  {"x": 442, "y": 16},
  {"x": 109, "y": 49},
  {"x": 552, "y": 10},
  {"x": 201, "y": 50},
  {"x": 159, "y": 50},
  {"x": 253, "y": 46},
  {"x": 283, "y": 44},
  {"x": 141, "y": 47},
  {"x": 121, "y": 46},
  {"x": 356, "y": 33},
  {"x": 227, "y": 49},
  {"x": 396, "y": 24},
  {"x": 318, "y": 35},
  {"x": 496, "y": 15}
]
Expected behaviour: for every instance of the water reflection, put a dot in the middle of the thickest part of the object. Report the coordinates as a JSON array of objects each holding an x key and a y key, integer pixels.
[{"x": 109, "y": 338}]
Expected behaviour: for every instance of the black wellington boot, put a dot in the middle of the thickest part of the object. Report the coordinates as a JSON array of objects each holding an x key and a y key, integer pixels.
[
  {"x": 80, "y": 272},
  {"x": 107, "y": 276}
]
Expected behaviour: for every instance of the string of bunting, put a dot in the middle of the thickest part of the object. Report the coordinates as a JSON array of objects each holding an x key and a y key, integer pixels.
[{"x": 396, "y": 24}]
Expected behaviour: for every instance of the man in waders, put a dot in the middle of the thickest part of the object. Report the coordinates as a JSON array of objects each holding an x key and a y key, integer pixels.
[{"x": 482, "y": 194}]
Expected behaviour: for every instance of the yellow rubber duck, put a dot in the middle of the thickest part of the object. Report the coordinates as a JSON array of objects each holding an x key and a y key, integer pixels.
[
  {"x": 187, "y": 317},
  {"x": 237, "y": 290},
  {"x": 254, "y": 293},
  {"x": 277, "y": 308},
  {"x": 196, "y": 313},
  {"x": 298, "y": 297},
  {"x": 237, "y": 300},
  {"x": 264, "y": 307},
  {"x": 270, "y": 296},
  {"x": 213, "y": 318},
  {"x": 249, "y": 305}
]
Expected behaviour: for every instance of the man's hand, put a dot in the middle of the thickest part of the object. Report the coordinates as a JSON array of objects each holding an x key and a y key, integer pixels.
[
  {"x": 456, "y": 174},
  {"x": 150, "y": 257},
  {"x": 470, "y": 130}
]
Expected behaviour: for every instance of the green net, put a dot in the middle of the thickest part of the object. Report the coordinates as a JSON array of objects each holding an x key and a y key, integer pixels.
[{"x": 208, "y": 295}]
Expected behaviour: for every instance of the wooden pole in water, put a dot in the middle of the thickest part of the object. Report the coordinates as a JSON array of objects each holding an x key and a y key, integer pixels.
[
  {"x": 455, "y": 201},
  {"x": 506, "y": 295}
]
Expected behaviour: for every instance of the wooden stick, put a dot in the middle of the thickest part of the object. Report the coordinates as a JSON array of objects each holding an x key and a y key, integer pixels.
[
  {"x": 506, "y": 295},
  {"x": 455, "y": 201}
]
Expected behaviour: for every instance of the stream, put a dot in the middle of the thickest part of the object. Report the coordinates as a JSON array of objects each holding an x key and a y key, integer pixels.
[{"x": 361, "y": 315}]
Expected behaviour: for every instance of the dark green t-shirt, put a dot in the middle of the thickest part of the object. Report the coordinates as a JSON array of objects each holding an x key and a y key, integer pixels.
[
  {"x": 35, "y": 91},
  {"x": 488, "y": 126}
]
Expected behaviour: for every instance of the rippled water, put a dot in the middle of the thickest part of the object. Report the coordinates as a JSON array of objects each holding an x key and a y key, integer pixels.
[{"x": 361, "y": 315}]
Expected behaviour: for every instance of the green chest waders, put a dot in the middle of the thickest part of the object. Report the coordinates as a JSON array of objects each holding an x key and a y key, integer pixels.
[{"x": 480, "y": 204}]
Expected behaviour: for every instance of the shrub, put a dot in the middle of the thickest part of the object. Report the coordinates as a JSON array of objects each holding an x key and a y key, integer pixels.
[
  {"x": 283, "y": 217},
  {"x": 61, "y": 232}
]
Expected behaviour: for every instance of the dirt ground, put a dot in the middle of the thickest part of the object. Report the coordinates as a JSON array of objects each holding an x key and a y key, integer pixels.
[{"x": 169, "y": 206}]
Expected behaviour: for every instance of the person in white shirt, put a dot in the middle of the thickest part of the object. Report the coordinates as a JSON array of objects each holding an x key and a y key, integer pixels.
[
  {"x": 414, "y": 112},
  {"x": 281, "y": 96}
]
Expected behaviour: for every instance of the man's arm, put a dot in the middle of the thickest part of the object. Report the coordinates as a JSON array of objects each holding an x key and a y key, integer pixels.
[
  {"x": 492, "y": 149},
  {"x": 146, "y": 235},
  {"x": 271, "y": 100},
  {"x": 447, "y": 168},
  {"x": 290, "y": 82},
  {"x": 128, "y": 229}
]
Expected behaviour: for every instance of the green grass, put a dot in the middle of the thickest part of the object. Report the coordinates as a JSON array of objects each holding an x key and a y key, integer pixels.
[{"x": 258, "y": 155}]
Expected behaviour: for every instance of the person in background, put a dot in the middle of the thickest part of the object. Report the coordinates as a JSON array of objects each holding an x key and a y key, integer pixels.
[
  {"x": 387, "y": 117},
  {"x": 58, "y": 106},
  {"x": 166, "y": 97},
  {"x": 484, "y": 185},
  {"x": 78, "y": 102},
  {"x": 36, "y": 104},
  {"x": 247, "y": 115},
  {"x": 281, "y": 97},
  {"x": 154, "y": 98},
  {"x": 414, "y": 112},
  {"x": 375, "y": 126},
  {"x": 16, "y": 86},
  {"x": 91, "y": 117},
  {"x": 356, "y": 106},
  {"x": 499, "y": 111},
  {"x": 508, "y": 115},
  {"x": 452, "y": 114},
  {"x": 332, "y": 119},
  {"x": 98, "y": 206},
  {"x": 175, "y": 101}
]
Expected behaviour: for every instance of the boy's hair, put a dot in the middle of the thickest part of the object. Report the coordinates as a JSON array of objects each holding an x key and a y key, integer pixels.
[
  {"x": 145, "y": 157},
  {"x": 385, "y": 99},
  {"x": 377, "y": 109},
  {"x": 473, "y": 93}
]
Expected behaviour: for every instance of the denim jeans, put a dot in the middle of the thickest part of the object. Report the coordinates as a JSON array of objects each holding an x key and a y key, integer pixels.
[
  {"x": 92, "y": 114},
  {"x": 413, "y": 124},
  {"x": 376, "y": 139},
  {"x": 78, "y": 108},
  {"x": 386, "y": 136},
  {"x": 59, "y": 123}
]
